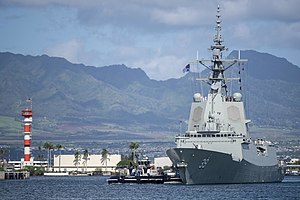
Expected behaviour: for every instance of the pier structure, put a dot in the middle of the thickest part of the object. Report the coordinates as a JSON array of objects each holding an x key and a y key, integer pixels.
[{"x": 14, "y": 175}]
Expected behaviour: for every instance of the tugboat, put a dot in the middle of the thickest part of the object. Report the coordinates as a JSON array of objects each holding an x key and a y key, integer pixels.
[
  {"x": 144, "y": 173},
  {"x": 217, "y": 147}
]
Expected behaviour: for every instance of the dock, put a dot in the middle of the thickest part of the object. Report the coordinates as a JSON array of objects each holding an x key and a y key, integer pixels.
[
  {"x": 160, "y": 179},
  {"x": 56, "y": 174},
  {"x": 14, "y": 175}
]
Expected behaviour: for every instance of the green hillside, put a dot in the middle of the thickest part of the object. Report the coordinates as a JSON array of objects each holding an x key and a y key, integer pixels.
[{"x": 74, "y": 99}]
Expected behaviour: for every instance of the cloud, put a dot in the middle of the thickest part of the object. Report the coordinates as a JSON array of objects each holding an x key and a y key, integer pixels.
[
  {"x": 162, "y": 36},
  {"x": 280, "y": 10},
  {"x": 179, "y": 16},
  {"x": 71, "y": 50},
  {"x": 162, "y": 67},
  {"x": 171, "y": 12},
  {"x": 242, "y": 31}
]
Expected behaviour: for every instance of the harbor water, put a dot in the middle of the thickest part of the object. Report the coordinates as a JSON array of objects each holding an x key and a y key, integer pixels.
[{"x": 95, "y": 187}]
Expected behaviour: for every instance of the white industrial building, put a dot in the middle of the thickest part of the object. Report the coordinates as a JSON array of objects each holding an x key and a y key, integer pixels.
[
  {"x": 94, "y": 163},
  {"x": 20, "y": 164}
]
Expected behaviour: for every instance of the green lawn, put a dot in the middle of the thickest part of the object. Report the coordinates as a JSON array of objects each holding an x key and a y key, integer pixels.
[{"x": 10, "y": 127}]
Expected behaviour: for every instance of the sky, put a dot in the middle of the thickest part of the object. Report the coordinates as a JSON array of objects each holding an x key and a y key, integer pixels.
[{"x": 158, "y": 36}]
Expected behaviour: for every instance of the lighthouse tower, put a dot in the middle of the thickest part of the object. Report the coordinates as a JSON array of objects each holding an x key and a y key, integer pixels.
[{"x": 27, "y": 114}]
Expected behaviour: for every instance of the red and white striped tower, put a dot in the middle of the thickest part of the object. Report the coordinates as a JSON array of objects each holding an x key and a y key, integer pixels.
[{"x": 27, "y": 114}]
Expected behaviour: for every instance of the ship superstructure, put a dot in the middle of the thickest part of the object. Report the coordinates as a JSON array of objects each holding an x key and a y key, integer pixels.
[{"x": 217, "y": 148}]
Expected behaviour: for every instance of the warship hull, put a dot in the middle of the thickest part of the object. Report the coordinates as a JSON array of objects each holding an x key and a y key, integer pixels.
[{"x": 198, "y": 166}]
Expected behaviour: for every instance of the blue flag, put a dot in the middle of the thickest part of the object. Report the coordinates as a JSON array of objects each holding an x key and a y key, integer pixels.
[{"x": 186, "y": 69}]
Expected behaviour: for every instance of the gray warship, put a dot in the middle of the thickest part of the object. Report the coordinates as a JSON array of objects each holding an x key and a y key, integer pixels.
[{"x": 217, "y": 147}]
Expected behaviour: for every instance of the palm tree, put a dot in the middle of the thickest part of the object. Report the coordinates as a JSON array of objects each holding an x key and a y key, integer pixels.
[
  {"x": 85, "y": 158},
  {"x": 134, "y": 146},
  {"x": 59, "y": 147},
  {"x": 3, "y": 153},
  {"x": 77, "y": 159},
  {"x": 48, "y": 146},
  {"x": 104, "y": 157}
]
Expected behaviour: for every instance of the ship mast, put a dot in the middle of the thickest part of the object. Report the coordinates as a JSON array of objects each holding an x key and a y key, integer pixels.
[
  {"x": 217, "y": 76},
  {"x": 217, "y": 80}
]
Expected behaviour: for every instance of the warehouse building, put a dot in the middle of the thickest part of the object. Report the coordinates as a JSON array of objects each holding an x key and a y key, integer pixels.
[{"x": 95, "y": 162}]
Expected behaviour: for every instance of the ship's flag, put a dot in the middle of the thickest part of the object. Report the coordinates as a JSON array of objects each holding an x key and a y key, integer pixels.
[{"x": 186, "y": 68}]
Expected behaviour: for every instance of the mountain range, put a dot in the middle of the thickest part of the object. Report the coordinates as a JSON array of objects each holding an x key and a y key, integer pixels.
[{"x": 118, "y": 96}]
